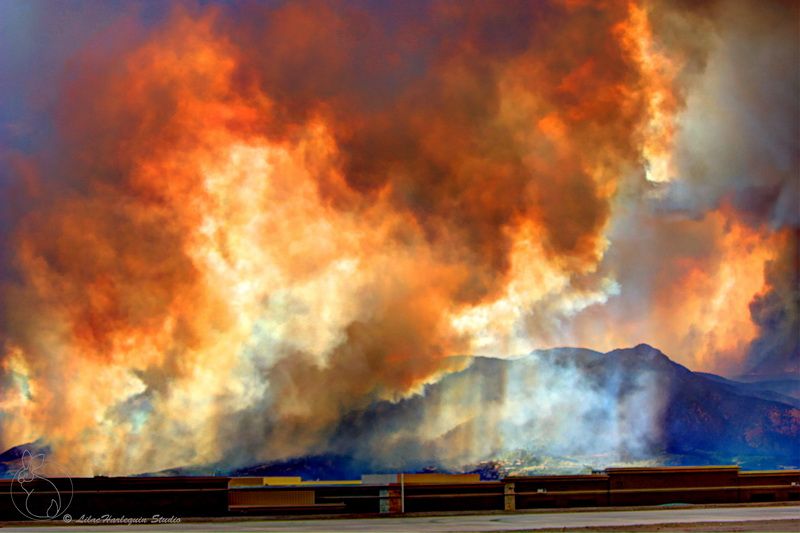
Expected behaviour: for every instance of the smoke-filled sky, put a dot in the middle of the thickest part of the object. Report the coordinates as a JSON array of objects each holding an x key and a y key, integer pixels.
[{"x": 225, "y": 225}]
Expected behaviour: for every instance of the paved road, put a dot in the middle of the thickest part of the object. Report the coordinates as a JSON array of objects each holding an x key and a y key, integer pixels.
[{"x": 461, "y": 523}]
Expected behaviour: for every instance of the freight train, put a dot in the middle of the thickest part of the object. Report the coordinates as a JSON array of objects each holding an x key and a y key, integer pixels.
[{"x": 394, "y": 494}]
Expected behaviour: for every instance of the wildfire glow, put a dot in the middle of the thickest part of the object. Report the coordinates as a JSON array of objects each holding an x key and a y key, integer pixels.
[
  {"x": 658, "y": 78},
  {"x": 259, "y": 223}
]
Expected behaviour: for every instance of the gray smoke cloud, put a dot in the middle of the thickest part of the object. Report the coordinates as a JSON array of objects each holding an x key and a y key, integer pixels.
[
  {"x": 564, "y": 406},
  {"x": 739, "y": 143}
]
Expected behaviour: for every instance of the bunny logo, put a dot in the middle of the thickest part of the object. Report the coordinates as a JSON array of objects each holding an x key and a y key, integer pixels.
[{"x": 36, "y": 496}]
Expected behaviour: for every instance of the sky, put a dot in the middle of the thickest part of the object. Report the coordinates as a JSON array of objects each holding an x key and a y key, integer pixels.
[{"x": 218, "y": 213}]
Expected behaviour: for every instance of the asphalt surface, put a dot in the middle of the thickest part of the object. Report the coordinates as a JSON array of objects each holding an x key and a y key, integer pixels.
[{"x": 461, "y": 523}]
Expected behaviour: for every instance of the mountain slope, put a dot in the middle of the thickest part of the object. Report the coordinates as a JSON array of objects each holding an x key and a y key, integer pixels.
[
  {"x": 11, "y": 459},
  {"x": 562, "y": 410},
  {"x": 598, "y": 409}
]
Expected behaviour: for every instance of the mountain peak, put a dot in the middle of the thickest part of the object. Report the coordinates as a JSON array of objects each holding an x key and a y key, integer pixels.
[
  {"x": 641, "y": 351},
  {"x": 644, "y": 347}
]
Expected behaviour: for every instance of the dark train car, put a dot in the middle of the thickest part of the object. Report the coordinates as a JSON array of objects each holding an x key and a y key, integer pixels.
[
  {"x": 16, "y": 504},
  {"x": 117, "y": 496},
  {"x": 167, "y": 496},
  {"x": 305, "y": 498},
  {"x": 478, "y": 496},
  {"x": 557, "y": 491},
  {"x": 769, "y": 486},
  {"x": 357, "y": 499},
  {"x": 664, "y": 485}
]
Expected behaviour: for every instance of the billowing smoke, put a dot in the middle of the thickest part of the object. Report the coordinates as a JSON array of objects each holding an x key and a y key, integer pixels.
[
  {"x": 228, "y": 226},
  {"x": 740, "y": 147},
  {"x": 776, "y": 312},
  {"x": 535, "y": 410},
  {"x": 705, "y": 255}
]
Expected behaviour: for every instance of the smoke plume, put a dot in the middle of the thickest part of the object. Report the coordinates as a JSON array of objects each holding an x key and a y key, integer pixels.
[{"x": 226, "y": 226}]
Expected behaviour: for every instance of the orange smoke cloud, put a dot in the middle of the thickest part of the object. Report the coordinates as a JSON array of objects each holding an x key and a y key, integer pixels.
[
  {"x": 701, "y": 289},
  {"x": 707, "y": 306},
  {"x": 659, "y": 73},
  {"x": 264, "y": 219}
]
